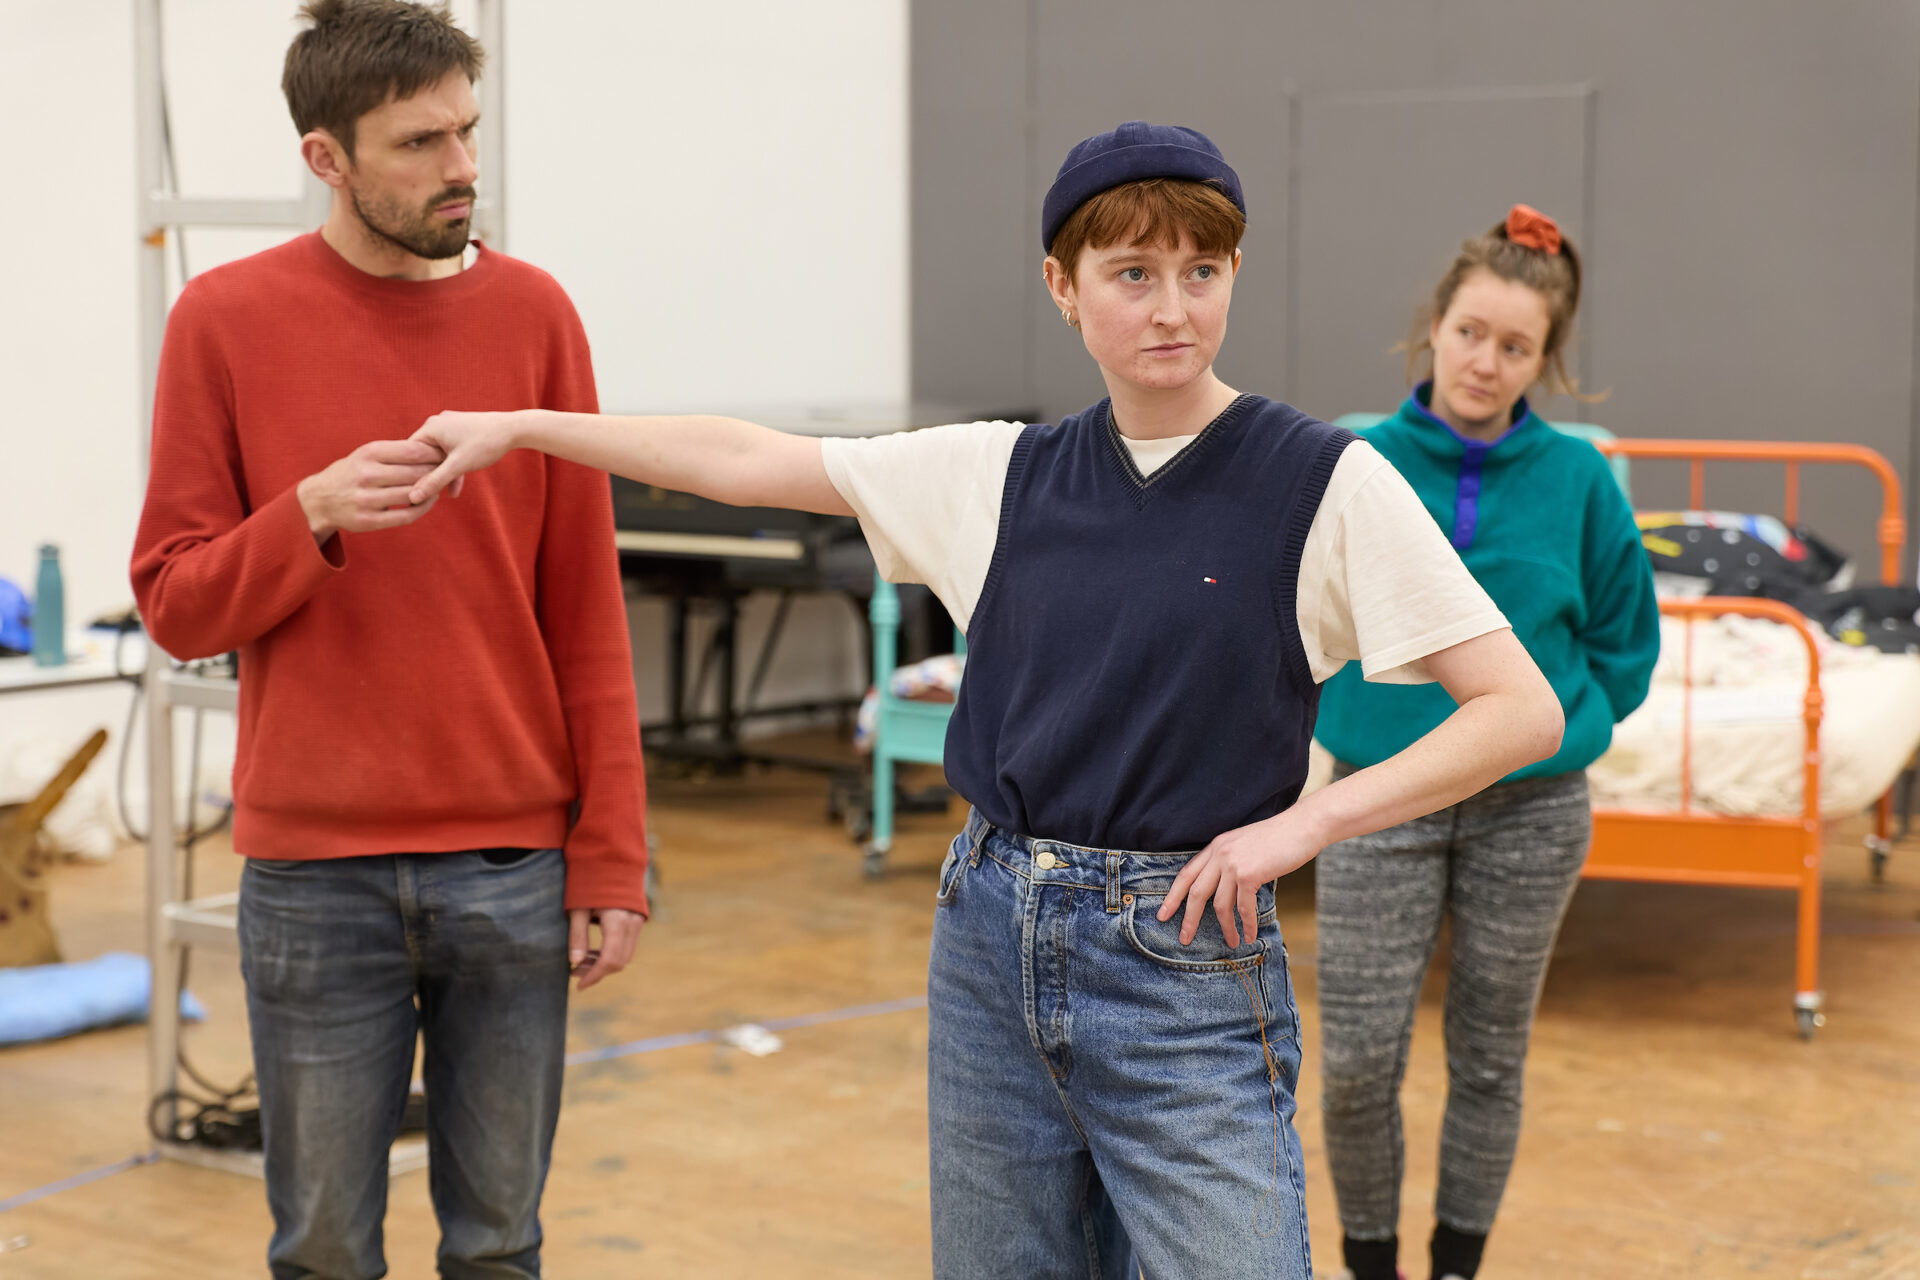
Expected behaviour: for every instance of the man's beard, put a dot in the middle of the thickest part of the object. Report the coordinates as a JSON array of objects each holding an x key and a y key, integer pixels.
[{"x": 421, "y": 234}]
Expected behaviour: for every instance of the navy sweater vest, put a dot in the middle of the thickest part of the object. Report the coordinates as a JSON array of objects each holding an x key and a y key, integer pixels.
[{"x": 1135, "y": 678}]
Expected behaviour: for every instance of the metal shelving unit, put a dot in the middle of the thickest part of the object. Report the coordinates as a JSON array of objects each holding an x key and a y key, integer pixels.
[{"x": 175, "y": 925}]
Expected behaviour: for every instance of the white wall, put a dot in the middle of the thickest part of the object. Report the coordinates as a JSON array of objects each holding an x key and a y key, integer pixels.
[{"x": 721, "y": 187}]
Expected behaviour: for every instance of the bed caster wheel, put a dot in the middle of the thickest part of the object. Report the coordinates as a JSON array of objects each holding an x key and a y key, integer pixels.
[
  {"x": 1808, "y": 1019},
  {"x": 873, "y": 861},
  {"x": 1878, "y": 851},
  {"x": 843, "y": 797}
]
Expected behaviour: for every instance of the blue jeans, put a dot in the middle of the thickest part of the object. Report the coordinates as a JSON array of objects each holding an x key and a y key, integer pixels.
[
  {"x": 1102, "y": 1101},
  {"x": 345, "y": 961}
]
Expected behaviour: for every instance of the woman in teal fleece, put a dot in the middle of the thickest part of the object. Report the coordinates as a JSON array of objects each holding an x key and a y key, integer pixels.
[{"x": 1538, "y": 518}]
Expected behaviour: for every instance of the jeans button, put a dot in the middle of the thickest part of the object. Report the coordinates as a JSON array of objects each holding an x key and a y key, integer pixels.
[{"x": 1045, "y": 860}]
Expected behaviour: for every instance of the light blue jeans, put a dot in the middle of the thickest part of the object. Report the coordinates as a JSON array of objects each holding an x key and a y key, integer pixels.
[
  {"x": 345, "y": 961},
  {"x": 1104, "y": 1102}
]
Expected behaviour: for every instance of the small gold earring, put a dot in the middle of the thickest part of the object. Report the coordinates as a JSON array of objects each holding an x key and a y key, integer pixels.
[{"x": 1068, "y": 317}]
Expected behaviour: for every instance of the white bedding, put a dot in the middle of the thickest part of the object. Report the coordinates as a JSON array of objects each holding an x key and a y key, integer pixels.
[{"x": 1750, "y": 681}]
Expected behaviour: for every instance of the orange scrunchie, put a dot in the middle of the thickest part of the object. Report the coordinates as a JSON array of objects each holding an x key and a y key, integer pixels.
[{"x": 1528, "y": 226}]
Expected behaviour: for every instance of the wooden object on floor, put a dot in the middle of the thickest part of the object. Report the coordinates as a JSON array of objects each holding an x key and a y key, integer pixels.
[{"x": 26, "y": 929}]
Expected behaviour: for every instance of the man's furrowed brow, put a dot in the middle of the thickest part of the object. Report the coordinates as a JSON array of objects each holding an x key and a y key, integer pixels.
[{"x": 420, "y": 135}]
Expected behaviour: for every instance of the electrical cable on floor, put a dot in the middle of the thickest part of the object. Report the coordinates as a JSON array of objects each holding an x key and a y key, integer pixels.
[{"x": 215, "y": 1125}]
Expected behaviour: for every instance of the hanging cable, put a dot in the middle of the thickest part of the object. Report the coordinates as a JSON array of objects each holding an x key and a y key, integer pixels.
[{"x": 138, "y": 681}]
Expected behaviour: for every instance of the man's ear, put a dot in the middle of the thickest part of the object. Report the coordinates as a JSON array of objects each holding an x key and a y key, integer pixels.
[{"x": 326, "y": 158}]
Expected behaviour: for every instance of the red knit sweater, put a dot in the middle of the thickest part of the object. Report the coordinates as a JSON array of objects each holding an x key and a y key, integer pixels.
[{"x": 458, "y": 683}]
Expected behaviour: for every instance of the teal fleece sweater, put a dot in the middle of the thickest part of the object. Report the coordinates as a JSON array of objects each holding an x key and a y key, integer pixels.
[{"x": 1540, "y": 522}]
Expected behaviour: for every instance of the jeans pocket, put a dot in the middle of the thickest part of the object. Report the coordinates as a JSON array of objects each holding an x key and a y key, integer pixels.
[
  {"x": 507, "y": 858},
  {"x": 1159, "y": 941}
]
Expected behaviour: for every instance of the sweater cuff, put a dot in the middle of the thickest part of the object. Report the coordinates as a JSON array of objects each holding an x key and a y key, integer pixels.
[
  {"x": 311, "y": 562},
  {"x": 600, "y": 878}
]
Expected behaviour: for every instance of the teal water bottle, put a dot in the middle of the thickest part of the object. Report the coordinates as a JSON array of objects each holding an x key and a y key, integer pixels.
[{"x": 49, "y": 611}]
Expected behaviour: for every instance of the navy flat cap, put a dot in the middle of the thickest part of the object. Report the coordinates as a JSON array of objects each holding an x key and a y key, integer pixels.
[{"x": 1134, "y": 151}]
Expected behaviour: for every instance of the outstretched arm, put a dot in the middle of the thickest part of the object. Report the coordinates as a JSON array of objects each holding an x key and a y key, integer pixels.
[{"x": 725, "y": 459}]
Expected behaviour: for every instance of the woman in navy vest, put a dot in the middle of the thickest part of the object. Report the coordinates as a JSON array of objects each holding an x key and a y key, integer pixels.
[
  {"x": 1152, "y": 590},
  {"x": 1540, "y": 521}
]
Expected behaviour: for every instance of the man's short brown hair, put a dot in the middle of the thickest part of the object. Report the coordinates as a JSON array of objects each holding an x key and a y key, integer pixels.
[
  {"x": 358, "y": 54},
  {"x": 1155, "y": 211}
]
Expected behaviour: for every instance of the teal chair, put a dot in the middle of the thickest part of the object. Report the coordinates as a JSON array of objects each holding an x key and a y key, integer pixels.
[
  {"x": 904, "y": 731},
  {"x": 1579, "y": 430}
]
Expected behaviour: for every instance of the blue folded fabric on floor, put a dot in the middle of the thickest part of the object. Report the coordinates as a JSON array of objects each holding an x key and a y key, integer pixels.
[{"x": 45, "y": 1001}]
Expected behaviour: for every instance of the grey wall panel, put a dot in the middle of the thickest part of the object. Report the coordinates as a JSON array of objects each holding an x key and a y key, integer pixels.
[
  {"x": 1756, "y": 223},
  {"x": 969, "y": 243},
  {"x": 1362, "y": 161},
  {"x": 1752, "y": 191}
]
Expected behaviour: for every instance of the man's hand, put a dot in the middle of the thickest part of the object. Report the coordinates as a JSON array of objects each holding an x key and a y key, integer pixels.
[
  {"x": 463, "y": 442},
  {"x": 618, "y": 931},
  {"x": 368, "y": 489},
  {"x": 1230, "y": 871}
]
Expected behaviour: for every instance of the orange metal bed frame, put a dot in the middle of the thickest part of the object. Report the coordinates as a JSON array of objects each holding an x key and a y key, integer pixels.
[{"x": 1686, "y": 846}]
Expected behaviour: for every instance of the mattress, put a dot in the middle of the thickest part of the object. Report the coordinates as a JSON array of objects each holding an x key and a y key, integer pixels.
[{"x": 1750, "y": 681}]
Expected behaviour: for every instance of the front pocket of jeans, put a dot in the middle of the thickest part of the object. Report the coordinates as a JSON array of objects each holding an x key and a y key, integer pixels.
[
  {"x": 1159, "y": 941},
  {"x": 510, "y": 859}
]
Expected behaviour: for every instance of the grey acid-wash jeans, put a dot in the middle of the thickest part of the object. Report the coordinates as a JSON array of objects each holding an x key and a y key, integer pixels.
[{"x": 345, "y": 961}]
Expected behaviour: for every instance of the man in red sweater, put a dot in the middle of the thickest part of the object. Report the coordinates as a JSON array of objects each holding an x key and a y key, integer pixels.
[{"x": 438, "y": 787}]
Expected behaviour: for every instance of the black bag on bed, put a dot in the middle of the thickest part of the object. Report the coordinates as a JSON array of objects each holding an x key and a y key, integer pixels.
[
  {"x": 1879, "y": 617},
  {"x": 1725, "y": 553}
]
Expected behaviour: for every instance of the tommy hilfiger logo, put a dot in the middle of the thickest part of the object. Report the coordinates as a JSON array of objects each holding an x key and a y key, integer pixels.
[{"x": 1214, "y": 581}]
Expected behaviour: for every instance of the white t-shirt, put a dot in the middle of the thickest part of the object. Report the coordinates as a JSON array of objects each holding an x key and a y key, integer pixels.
[{"x": 1379, "y": 583}]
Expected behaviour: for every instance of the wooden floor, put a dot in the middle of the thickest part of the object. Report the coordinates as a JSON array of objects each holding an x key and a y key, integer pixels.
[{"x": 1676, "y": 1127}]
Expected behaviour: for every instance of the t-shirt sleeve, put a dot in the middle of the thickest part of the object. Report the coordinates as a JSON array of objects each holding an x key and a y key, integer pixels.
[
  {"x": 1379, "y": 583},
  {"x": 929, "y": 503}
]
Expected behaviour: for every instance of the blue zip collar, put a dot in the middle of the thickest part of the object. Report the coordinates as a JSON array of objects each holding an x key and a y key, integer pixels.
[{"x": 1473, "y": 459}]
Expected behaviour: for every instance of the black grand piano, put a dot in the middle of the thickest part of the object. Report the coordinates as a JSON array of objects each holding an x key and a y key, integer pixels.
[{"x": 704, "y": 556}]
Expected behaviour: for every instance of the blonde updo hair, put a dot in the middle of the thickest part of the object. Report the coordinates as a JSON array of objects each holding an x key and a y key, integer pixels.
[{"x": 1554, "y": 275}]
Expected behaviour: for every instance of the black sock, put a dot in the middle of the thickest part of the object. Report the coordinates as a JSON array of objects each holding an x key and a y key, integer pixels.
[
  {"x": 1371, "y": 1259},
  {"x": 1456, "y": 1253}
]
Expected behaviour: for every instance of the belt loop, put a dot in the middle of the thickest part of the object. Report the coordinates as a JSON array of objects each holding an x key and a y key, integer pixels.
[
  {"x": 1113, "y": 884},
  {"x": 985, "y": 830}
]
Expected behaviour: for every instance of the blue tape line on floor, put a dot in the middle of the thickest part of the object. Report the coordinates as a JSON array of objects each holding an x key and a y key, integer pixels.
[
  {"x": 772, "y": 1024},
  {"x": 77, "y": 1180}
]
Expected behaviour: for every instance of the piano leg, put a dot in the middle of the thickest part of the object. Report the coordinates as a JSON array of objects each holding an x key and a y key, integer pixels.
[
  {"x": 764, "y": 660},
  {"x": 726, "y": 639},
  {"x": 677, "y": 669}
]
